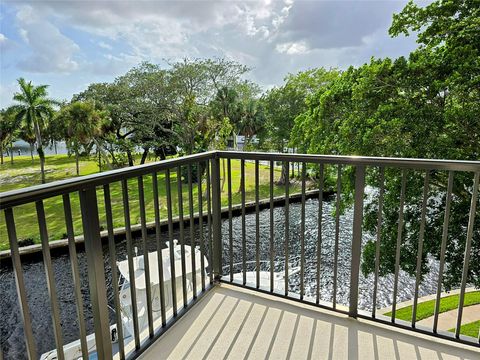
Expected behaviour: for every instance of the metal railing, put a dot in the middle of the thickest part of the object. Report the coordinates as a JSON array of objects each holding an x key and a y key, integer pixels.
[
  {"x": 213, "y": 241},
  {"x": 88, "y": 189},
  {"x": 358, "y": 168}
]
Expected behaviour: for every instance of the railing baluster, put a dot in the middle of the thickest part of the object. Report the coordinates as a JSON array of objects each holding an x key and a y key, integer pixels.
[
  {"x": 113, "y": 265},
  {"x": 379, "y": 236},
  {"x": 192, "y": 231},
  {"x": 96, "y": 272},
  {"x": 182, "y": 235},
  {"x": 337, "y": 234},
  {"x": 217, "y": 248},
  {"x": 399, "y": 243},
  {"x": 466, "y": 259},
  {"x": 356, "y": 238},
  {"x": 209, "y": 220},
  {"x": 161, "y": 285},
  {"x": 302, "y": 236},
  {"x": 131, "y": 268},
  {"x": 287, "y": 222},
  {"x": 272, "y": 235},
  {"x": 171, "y": 246},
  {"x": 319, "y": 234},
  {"x": 20, "y": 285},
  {"x": 200, "y": 224},
  {"x": 72, "y": 249},
  {"x": 420, "y": 247},
  {"x": 244, "y": 240},
  {"x": 52, "y": 293},
  {"x": 257, "y": 224},
  {"x": 230, "y": 223},
  {"x": 446, "y": 219},
  {"x": 146, "y": 260}
]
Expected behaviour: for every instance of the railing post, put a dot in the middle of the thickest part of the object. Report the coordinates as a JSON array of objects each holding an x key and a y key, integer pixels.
[
  {"x": 356, "y": 239},
  {"x": 216, "y": 215},
  {"x": 96, "y": 272}
]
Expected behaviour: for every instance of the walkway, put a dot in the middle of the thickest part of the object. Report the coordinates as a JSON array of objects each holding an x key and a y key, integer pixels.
[{"x": 448, "y": 319}]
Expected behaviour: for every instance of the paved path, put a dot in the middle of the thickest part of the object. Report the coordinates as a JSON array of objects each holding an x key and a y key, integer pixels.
[{"x": 448, "y": 319}]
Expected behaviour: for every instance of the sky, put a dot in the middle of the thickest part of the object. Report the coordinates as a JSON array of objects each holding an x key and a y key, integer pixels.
[{"x": 69, "y": 44}]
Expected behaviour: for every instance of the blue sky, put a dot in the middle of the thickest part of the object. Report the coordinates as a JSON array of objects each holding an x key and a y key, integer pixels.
[{"x": 70, "y": 44}]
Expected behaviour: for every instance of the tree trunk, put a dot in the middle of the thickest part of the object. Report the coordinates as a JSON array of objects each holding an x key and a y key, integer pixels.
[
  {"x": 55, "y": 146},
  {"x": 103, "y": 153},
  {"x": 99, "y": 160},
  {"x": 224, "y": 174},
  {"x": 11, "y": 152},
  {"x": 130, "y": 157},
  {"x": 284, "y": 177},
  {"x": 31, "y": 151},
  {"x": 41, "y": 154},
  {"x": 1, "y": 153},
  {"x": 77, "y": 162},
  {"x": 144, "y": 155}
]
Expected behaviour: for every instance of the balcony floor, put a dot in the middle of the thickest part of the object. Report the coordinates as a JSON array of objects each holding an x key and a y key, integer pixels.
[{"x": 235, "y": 323}]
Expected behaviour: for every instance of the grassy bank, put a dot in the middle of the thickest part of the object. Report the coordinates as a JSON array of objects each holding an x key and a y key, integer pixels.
[
  {"x": 58, "y": 167},
  {"x": 472, "y": 329},
  {"x": 427, "y": 308}
]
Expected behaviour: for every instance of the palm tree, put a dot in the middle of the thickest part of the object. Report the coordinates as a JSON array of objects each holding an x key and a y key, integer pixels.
[
  {"x": 34, "y": 108},
  {"x": 81, "y": 124}
]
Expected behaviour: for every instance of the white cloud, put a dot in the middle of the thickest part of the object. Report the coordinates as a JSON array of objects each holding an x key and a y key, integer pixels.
[
  {"x": 104, "y": 45},
  {"x": 51, "y": 51},
  {"x": 293, "y": 48}
]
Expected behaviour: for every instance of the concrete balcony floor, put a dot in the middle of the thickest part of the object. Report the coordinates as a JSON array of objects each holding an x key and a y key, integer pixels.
[{"x": 235, "y": 323}]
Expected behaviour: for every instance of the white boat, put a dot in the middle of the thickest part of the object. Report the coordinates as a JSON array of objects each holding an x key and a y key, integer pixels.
[{"x": 73, "y": 350}]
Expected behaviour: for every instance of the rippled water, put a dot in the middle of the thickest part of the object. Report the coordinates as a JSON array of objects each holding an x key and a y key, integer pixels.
[{"x": 11, "y": 330}]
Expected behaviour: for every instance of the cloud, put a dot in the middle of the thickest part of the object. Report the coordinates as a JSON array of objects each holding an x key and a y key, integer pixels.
[
  {"x": 98, "y": 40},
  {"x": 104, "y": 45},
  {"x": 292, "y": 48},
  {"x": 50, "y": 50}
]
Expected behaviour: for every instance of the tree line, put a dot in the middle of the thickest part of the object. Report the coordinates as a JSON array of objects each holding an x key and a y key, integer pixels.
[{"x": 425, "y": 105}]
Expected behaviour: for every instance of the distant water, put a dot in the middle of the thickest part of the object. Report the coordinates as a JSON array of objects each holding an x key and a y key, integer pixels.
[
  {"x": 24, "y": 149},
  {"x": 11, "y": 330}
]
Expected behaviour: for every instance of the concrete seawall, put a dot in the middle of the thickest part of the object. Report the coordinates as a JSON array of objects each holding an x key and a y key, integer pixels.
[{"x": 61, "y": 246}]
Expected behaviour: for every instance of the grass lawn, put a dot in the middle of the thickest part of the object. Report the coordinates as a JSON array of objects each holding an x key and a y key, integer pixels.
[
  {"x": 23, "y": 173},
  {"x": 470, "y": 329},
  {"x": 427, "y": 308}
]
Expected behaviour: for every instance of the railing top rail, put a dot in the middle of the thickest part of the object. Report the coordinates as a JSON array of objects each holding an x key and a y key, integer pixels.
[
  {"x": 411, "y": 163},
  {"x": 55, "y": 188},
  {"x": 39, "y": 192}
]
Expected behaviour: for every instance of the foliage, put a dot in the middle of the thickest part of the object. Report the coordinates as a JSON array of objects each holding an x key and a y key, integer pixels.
[
  {"x": 81, "y": 125},
  {"x": 34, "y": 109},
  {"x": 425, "y": 106},
  {"x": 8, "y": 128}
]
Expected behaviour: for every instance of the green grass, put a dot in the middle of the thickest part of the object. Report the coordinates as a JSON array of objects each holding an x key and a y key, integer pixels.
[
  {"x": 470, "y": 329},
  {"x": 427, "y": 308},
  {"x": 23, "y": 173}
]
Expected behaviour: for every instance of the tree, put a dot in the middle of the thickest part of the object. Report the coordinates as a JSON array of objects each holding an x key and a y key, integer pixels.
[
  {"x": 197, "y": 83},
  {"x": 283, "y": 104},
  {"x": 8, "y": 127},
  {"x": 81, "y": 124},
  {"x": 425, "y": 106},
  {"x": 34, "y": 108}
]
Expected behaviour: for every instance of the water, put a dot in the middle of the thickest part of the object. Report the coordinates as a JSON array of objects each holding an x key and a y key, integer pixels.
[{"x": 11, "y": 330}]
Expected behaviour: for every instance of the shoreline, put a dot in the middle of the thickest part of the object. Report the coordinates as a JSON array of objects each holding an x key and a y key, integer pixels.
[{"x": 61, "y": 246}]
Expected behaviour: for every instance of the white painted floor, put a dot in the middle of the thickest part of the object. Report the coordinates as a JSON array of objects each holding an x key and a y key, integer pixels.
[{"x": 233, "y": 323}]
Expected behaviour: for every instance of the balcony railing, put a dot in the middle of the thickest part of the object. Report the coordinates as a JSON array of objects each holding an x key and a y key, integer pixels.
[{"x": 218, "y": 253}]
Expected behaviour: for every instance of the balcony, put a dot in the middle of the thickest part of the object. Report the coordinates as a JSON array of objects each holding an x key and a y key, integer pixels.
[{"x": 259, "y": 277}]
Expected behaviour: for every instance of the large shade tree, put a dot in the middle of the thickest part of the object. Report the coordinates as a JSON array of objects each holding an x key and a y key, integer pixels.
[{"x": 34, "y": 108}]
